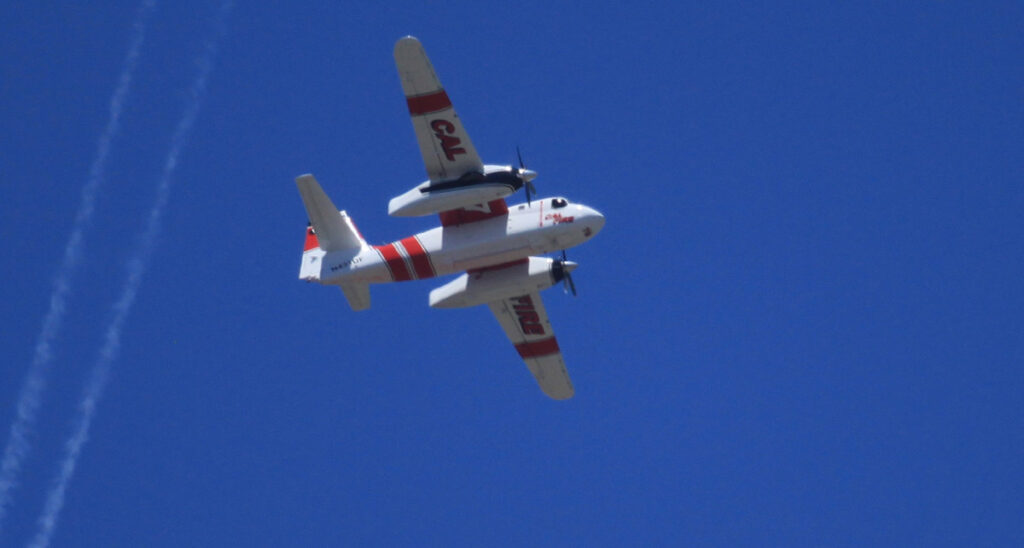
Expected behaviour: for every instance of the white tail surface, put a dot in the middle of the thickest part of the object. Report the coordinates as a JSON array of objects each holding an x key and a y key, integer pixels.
[
  {"x": 312, "y": 256},
  {"x": 358, "y": 295},
  {"x": 334, "y": 229},
  {"x": 329, "y": 230}
]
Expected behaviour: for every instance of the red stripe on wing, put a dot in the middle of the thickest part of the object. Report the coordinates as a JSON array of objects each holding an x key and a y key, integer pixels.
[
  {"x": 425, "y": 104},
  {"x": 395, "y": 262},
  {"x": 418, "y": 255},
  {"x": 536, "y": 349},
  {"x": 452, "y": 217}
]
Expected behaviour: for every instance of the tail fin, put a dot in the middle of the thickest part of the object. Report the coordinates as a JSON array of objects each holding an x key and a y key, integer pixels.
[
  {"x": 329, "y": 230},
  {"x": 333, "y": 229},
  {"x": 311, "y": 255}
]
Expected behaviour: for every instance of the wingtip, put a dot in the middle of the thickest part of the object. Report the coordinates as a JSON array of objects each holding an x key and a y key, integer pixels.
[
  {"x": 408, "y": 42},
  {"x": 561, "y": 394},
  {"x": 407, "y": 46}
]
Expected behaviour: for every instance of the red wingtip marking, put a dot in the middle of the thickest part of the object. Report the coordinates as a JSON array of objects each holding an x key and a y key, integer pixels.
[
  {"x": 311, "y": 240},
  {"x": 536, "y": 349},
  {"x": 425, "y": 104}
]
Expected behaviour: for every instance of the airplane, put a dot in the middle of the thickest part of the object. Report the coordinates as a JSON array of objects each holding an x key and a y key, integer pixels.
[{"x": 494, "y": 245}]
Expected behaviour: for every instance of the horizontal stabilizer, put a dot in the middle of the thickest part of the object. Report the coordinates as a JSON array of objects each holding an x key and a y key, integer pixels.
[
  {"x": 334, "y": 230},
  {"x": 358, "y": 295}
]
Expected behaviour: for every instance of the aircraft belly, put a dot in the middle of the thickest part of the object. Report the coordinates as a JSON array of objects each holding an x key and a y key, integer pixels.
[{"x": 467, "y": 249}]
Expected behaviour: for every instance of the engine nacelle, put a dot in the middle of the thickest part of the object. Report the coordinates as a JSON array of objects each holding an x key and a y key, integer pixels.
[
  {"x": 496, "y": 283},
  {"x": 472, "y": 188}
]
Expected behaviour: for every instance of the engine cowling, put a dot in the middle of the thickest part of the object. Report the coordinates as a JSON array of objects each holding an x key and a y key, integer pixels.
[
  {"x": 429, "y": 197},
  {"x": 495, "y": 283}
]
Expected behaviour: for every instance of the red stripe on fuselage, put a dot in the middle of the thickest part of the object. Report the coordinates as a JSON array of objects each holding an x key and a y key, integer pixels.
[
  {"x": 425, "y": 104},
  {"x": 418, "y": 256},
  {"x": 399, "y": 272},
  {"x": 536, "y": 349}
]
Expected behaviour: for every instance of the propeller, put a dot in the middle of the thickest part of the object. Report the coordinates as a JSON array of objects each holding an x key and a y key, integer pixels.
[
  {"x": 560, "y": 270},
  {"x": 525, "y": 175}
]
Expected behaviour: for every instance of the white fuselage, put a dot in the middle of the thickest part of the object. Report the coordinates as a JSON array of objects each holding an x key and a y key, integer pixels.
[{"x": 544, "y": 226}]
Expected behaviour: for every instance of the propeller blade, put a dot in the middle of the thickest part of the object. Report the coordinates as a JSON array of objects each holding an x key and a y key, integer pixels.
[
  {"x": 525, "y": 176},
  {"x": 563, "y": 268}
]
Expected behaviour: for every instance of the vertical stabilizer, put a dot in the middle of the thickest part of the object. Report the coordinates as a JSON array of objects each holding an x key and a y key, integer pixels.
[
  {"x": 334, "y": 229},
  {"x": 329, "y": 230},
  {"x": 311, "y": 257}
]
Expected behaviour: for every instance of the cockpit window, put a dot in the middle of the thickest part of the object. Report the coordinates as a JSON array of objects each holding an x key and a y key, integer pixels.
[{"x": 559, "y": 202}]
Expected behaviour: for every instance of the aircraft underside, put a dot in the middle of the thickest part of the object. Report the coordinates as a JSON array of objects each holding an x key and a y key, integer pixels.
[{"x": 495, "y": 248}]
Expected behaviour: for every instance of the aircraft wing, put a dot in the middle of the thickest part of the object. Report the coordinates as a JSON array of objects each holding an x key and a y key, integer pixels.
[
  {"x": 526, "y": 323},
  {"x": 447, "y": 151},
  {"x": 472, "y": 214}
]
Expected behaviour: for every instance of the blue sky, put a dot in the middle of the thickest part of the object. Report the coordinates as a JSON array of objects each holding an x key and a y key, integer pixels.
[{"x": 800, "y": 325}]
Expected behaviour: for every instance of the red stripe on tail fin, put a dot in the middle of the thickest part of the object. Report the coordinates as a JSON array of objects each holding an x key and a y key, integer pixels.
[{"x": 311, "y": 241}]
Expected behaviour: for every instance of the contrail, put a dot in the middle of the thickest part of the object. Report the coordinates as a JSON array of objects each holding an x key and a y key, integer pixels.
[
  {"x": 30, "y": 396},
  {"x": 136, "y": 267}
]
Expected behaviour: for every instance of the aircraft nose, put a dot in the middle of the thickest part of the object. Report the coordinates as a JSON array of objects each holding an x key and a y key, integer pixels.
[{"x": 595, "y": 220}]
